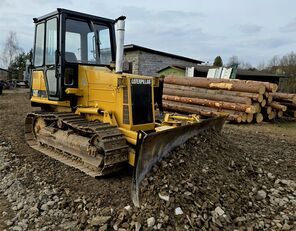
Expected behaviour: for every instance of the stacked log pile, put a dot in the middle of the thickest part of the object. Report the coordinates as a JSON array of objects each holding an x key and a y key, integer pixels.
[
  {"x": 285, "y": 101},
  {"x": 239, "y": 100}
]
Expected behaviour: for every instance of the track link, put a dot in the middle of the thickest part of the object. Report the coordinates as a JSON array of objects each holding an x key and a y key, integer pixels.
[{"x": 103, "y": 148}]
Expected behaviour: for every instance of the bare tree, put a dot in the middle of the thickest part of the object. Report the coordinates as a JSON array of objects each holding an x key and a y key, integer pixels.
[
  {"x": 261, "y": 66},
  {"x": 288, "y": 63},
  {"x": 274, "y": 62},
  {"x": 245, "y": 65},
  {"x": 233, "y": 60},
  {"x": 11, "y": 48}
]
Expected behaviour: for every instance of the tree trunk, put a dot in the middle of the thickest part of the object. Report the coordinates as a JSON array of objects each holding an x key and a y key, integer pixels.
[
  {"x": 210, "y": 103},
  {"x": 289, "y": 105},
  {"x": 233, "y": 85},
  {"x": 222, "y": 93},
  {"x": 278, "y": 96},
  {"x": 199, "y": 110},
  {"x": 278, "y": 106}
]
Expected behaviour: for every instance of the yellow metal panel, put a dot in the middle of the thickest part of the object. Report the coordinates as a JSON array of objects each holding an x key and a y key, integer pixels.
[
  {"x": 38, "y": 82},
  {"x": 46, "y": 101},
  {"x": 74, "y": 91},
  {"x": 131, "y": 158},
  {"x": 103, "y": 89}
]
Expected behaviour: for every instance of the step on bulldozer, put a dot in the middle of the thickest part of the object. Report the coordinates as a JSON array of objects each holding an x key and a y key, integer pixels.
[{"x": 94, "y": 117}]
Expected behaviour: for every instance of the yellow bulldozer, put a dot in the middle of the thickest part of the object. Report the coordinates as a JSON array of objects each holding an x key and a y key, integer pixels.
[{"x": 93, "y": 116}]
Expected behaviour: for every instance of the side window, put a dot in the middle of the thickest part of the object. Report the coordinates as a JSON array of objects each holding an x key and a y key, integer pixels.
[
  {"x": 73, "y": 49},
  {"x": 91, "y": 47},
  {"x": 51, "y": 41},
  {"x": 105, "y": 47},
  {"x": 39, "y": 45}
]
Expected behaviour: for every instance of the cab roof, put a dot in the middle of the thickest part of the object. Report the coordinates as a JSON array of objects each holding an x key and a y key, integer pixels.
[{"x": 73, "y": 14}]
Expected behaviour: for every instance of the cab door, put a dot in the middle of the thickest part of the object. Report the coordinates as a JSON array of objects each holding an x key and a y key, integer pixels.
[
  {"x": 45, "y": 65},
  {"x": 51, "y": 69}
]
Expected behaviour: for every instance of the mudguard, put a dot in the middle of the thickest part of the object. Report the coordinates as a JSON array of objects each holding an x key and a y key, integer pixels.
[{"x": 153, "y": 147}]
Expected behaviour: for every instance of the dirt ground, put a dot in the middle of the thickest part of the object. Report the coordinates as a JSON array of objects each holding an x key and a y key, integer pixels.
[{"x": 253, "y": 154}]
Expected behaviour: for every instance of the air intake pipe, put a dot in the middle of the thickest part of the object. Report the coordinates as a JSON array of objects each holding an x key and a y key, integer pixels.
[{"x": 120, "y": 24}]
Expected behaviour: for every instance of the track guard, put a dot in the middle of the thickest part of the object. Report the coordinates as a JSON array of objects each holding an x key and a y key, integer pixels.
[{"x": 153, "y": 147}]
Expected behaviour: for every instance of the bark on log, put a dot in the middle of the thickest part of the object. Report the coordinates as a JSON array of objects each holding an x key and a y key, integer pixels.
[
  {"x": 234, "y": 85},
  {"x": 200, "y": 110},
  {"x": 270, "y": 87},
  {"x": 278, "y": 96},
  {"x": 211, "y": 103},
  {"x": 254, "y": 96},
  {"x": 288, "y": 105},
  {"x": 278, "y": 106},
  {"x": 206, "y": 95}
]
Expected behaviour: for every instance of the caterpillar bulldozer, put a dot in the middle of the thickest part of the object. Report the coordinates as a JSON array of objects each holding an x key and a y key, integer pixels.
[{"x": 94, "y": 117}]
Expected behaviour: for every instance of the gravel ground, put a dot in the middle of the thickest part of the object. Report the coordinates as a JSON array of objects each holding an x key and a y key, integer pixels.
[{"x": 242, "y": 179}]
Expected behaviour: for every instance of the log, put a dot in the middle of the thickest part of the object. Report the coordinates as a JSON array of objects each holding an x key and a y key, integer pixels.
[
  {"x": 210, "y": 103},
  {"x": 263, "y": 103},
  {"x": 250, "y": 117},
  {"x": 270, "y": 87},
  {"x": 280, "y": 113},
  {"x": 234, "y": 118},
  {"x": 244, "y": 117},
  {"x": 257, "y": 107},
  {"x": 278, "y": 106},
  {"x": 268, "y": 97},
  {"x": 272, "y": 115},
  {"x": 259, "y": 117},
  {"x": 199, "y": 110},
  {"x": 288, "y": 105},
  {"x": 222, "y": 84},
  {"x": 278, "y": 96},
  {"x": 206, "y": 94},
  {"x": 253, "y": 96},
  {"x": 268, "y": 109}
]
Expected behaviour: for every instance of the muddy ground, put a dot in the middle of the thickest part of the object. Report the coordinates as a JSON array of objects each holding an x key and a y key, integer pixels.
[{"x": 241, "y": 179}]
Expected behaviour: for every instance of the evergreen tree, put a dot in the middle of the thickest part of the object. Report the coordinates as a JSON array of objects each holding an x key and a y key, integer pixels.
[{"x": 218, "y": 62}]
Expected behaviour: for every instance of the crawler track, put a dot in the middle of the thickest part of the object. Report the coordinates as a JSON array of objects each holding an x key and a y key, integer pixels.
[{"x": 95, "y": 148}]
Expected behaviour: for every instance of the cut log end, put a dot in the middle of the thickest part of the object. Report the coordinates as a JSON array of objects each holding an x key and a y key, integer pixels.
[{"x": 259, "y": 118}]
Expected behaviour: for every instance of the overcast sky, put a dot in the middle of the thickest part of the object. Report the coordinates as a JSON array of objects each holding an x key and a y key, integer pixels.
[{"x": 254, "y": 31}]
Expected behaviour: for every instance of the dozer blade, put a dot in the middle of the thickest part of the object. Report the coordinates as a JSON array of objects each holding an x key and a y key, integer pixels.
[{"x": 151, "y": 148}]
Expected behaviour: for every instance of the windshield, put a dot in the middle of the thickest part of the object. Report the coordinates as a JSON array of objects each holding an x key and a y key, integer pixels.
[{"x": 84, "y": 45}]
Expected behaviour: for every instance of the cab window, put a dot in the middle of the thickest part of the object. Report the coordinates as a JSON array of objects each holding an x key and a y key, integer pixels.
[
  {"x": 51, "y": 41},
  {"x": 39, "y": 45}
]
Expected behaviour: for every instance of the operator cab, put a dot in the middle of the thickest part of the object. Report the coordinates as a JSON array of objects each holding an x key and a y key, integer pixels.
[{"x": 63, "y": 40}]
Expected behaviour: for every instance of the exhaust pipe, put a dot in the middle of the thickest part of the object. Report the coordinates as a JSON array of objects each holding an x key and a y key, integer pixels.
[{"x": 120, "y": 24}]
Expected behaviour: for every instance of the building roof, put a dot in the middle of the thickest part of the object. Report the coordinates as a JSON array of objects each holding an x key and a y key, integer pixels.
[
  {"x": 174, "y": 67},
  {"x": 133, "y": 47},
  {"x": 1, "y": 69},
  {"x": 205, "y": 68}
]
